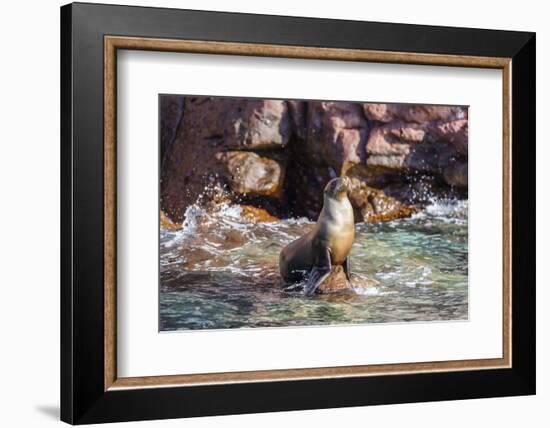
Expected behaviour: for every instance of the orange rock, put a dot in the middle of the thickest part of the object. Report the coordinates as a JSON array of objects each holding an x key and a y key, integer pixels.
[
  {"x": 337, "y": 281},
  {"x": 257, "y": 215},
  {"x": 166, "y": 223},
  {"x": 373, "y": 205},
  {"x": 250, "y": 173}
]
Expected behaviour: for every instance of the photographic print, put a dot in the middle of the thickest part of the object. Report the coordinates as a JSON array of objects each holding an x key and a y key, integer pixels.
[{"x": 293, "y": 213}]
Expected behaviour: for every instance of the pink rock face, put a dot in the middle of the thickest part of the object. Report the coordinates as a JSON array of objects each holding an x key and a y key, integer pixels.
[
  {"x": 337, "y": 133},
  {"x": 454, "y": 131},
  {"x": 211, "y": 126},
  {"x": 426, "y": 147},
  {"x": 388, "y": 145},
  {"x": 394, "y": 139},
  {"x": 261, "y": 124},
  {"x": 280, "y": 154},
  {"x": 239, "y": 123},
  {"x": 415, "y": 113}
]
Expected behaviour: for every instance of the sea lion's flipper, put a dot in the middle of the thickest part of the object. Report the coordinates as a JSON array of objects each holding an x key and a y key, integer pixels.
[
  {"x": 347, "y": 268},
  {"x": 318, "y": 273},
  {"x": 316, "y": 277}
]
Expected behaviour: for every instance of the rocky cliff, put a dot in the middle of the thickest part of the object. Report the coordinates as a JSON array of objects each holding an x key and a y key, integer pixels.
[{"x": 276, "y": 155}]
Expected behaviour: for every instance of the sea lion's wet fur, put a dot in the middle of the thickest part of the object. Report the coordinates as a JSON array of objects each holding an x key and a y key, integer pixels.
[{"x": 327, "y": 245}]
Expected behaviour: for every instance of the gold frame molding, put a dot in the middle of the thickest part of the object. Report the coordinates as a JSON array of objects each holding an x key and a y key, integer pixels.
[{"x": 113, "y": 43}]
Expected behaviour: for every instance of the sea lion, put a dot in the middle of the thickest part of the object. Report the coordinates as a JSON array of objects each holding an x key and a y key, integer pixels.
[{"x": 327, "y": 245}]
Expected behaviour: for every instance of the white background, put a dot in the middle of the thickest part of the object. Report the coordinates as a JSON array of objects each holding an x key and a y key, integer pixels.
[
  {"x": 143, "y": 352},
  {"x": 29, "y": 223}
]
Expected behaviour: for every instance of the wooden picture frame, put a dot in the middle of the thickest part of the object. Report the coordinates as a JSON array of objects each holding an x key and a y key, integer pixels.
[{"x": 90, "y": 389}]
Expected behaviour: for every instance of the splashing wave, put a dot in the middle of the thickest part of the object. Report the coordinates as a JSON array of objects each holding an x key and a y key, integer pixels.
[{"x": 221, "y": 271}]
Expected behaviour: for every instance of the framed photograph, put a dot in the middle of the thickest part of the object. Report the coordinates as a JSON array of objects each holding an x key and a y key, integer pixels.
[{"x": 267, "y": 213}]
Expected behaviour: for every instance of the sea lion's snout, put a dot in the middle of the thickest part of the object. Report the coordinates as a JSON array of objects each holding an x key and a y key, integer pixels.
[
  {"x": 338, "y": 187},
  {"x": 346, "y": 182}
]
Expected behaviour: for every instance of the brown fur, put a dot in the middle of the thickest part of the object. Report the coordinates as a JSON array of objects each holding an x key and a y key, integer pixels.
[{"x": 334, "y": 230}]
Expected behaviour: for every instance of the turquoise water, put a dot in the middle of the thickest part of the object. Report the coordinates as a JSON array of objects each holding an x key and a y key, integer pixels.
[{"x": 221, "y": 272}]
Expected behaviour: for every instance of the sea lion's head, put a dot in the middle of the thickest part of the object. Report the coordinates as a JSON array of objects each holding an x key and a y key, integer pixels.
[{"x": 338, "y": 188}]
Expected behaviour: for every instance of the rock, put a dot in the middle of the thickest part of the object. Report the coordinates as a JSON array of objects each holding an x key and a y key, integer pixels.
[
  {"x": 412, "y": 190},
  {"x": 171, "y": 111},
  {"x": 416, "y": 113},
  {"x": 388, "y": 145},
  {"x": 239, "y": 123},
  {"x": 424, "y": 148},
  {"x": 337, "y": 281},
  {"x": 249, "y": 173},
  {"x": 298, "y": 116},
  {"x": 456, "y": 174},
  {"x": 373, "y": 205},
  {"x": 429, "y": 158},
  {"x": 336, "y": 137},
  {"x": 418, "y": 139},
  {"x": 257, "y": 124},
  {"x": 189, "y": 174},
  {"x": 454, "y": 131},
  {"x": 374, "y": 176},
  {"x": 304, "y": 187},
  {"x": 278, "y": 155},
  {"x": 190, "y": 170},
  {"x": 214, "y": 125},
  {"x": 257, "y": 215},
  {"x": 334, "y": 142},
  {"x": 167, "y": 224}
]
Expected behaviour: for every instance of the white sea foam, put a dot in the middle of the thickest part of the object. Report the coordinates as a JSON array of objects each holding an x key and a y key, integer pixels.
[
  {"x": 190, "y": 218},
  {"x": 372, "y": 291},
  {"x": 445, "y": 210}
]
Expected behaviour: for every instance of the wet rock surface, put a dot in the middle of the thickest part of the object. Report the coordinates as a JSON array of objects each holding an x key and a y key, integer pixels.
[
  {"x": 336, "y": 282},
  {"x": 277, "y": 155},
  {"x": 249, "y": 173},
  {"x": 372, "y": 205}
]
